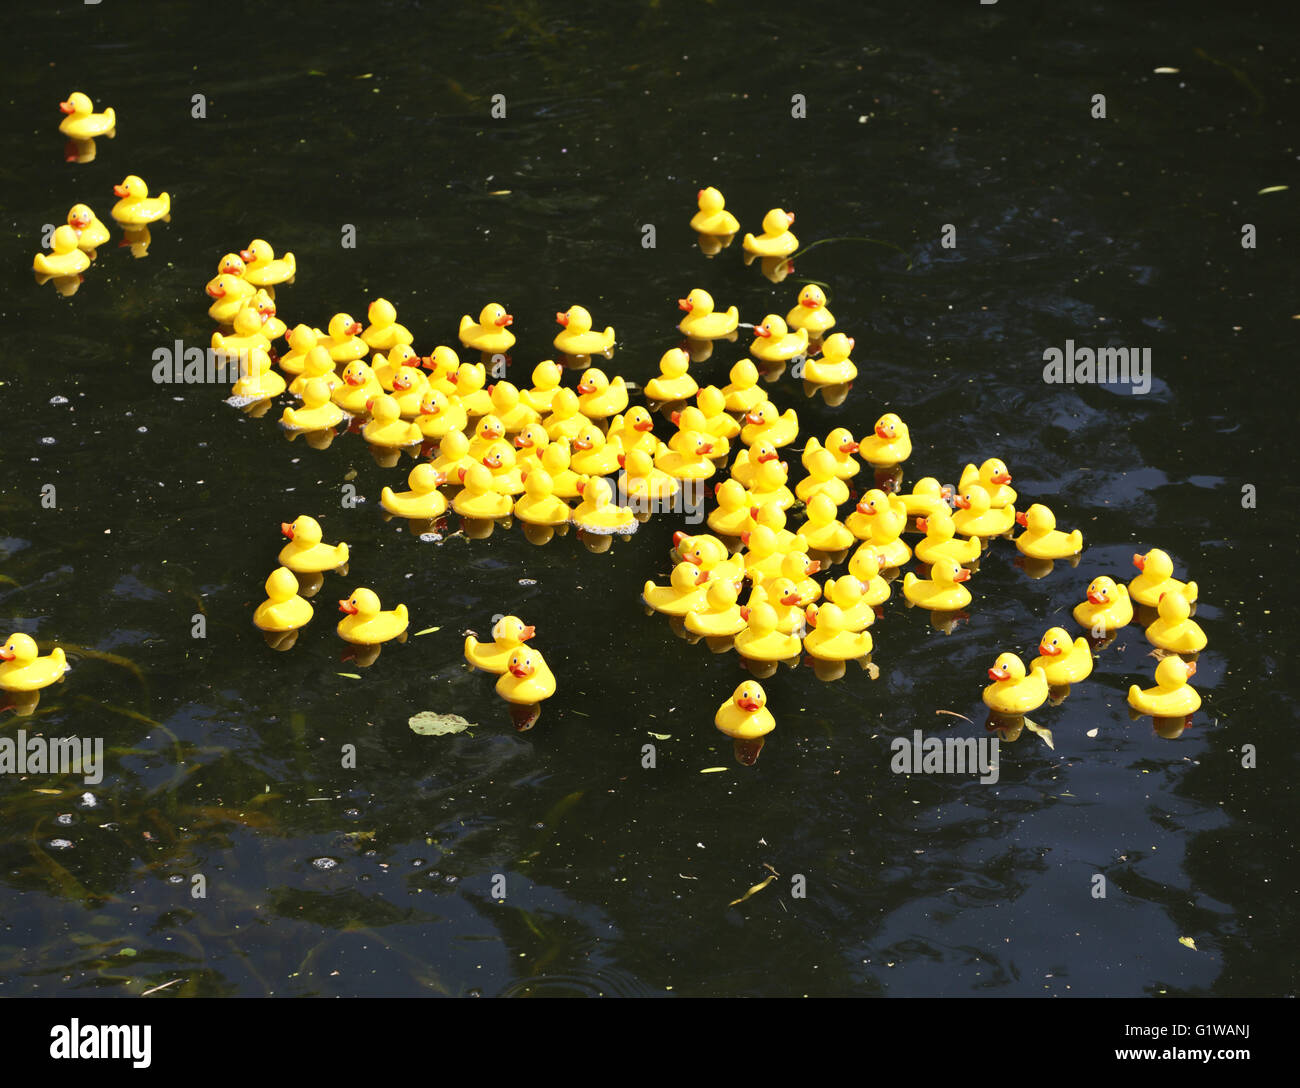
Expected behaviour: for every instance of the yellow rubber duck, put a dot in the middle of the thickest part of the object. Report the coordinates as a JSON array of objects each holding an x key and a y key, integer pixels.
[
  {"x": 774, "y": 343},
  {"x": 249, "y": 335},
  {"x": 712, "y": 403},
  {"x": 686, "y": 592},
  {"x": 745, "y": 715},
  {"x": 748, "y": 461},
  {"x": 423, "y": 501},
  {"x": 888, "y": 445},
  {"x": 1062, "y": 661},
  {"x": 453, "y": 456},
  {"x": 768, "y": 422},
  {"x": 264, "y": 304},
  {"x": 880, "y": 520},
  {"x": 591, "y": 455},
  {"x": 527, "y": 679},
  {"x": 940, "y": 541},
  {"x": 673, "y": 382},
  {"x": 643, "y": 482},
  {"x": 742, "y": 393},
  {"x": 777, "y": 240},
  {"x": 1042, "y": 539},
  {"x": 65, "y": 259},
  {"x": 388, "y": 365},
  {"x": 263, "y": 268},
  {"x": 597, "y": 512},
  {"x": 530, "y": 442},
  {"x": 823, "y": 530},
  {"x": 760, "y": 640},
  {"x": 720, "y": 617},
  {"x": 91, "y": 233},
  {"x": 566, "y": 418},
  {"x": 926, "y": 498},
  {"x": 487, "y": 434},
  {"x": 257, "y": 379},
  {"x": 1012, "y": 692},
  {"x": 840, "y": 445},
  {"x": 634, "y": 430},
  {"x": 799, "y": 569},
  {"x": 479, "y": 497},
  {"x": 507, "y": 477},
  {"x": 546, "y": 380},
  {"x": 469, "y": 380},
  {"x": 831, "y": 639},
  {"x": 283, "y": 609},
  {"x": 136, "y": 207},
  {"x": 974, "y": 518},
  {"x": 82, "y": 122},
  {"x": 690, "y": 460},
  {"x": 508, "y": 406},
  {"x": 690, "y": 419},
  {"x": 231, "y": 294},
  {"x": 1175, "y": 630},
  {"x": 384, "y": 331},
  {"x": 577, "y": 337},
  {"x": 848, "y": 594},
  {"x": 509, "y": 633},
  {"x": 365, "y": 624},
  {"x": 301, "y": 338},
  {"x": 942, "y": 591},
  {"x": 810, "y": 314},
  {"x": 1173, "y": 696},
  {"x": 539, "y": 505},
  {"x": 732, "y": 516},
  {"x": 317, "y": 367},
  {"x": 762, "y": 555},
  {"x": 305, "y": 554},
  {"x": 599, "y": 397},
  {"x": 443, "y": 364},
  {"x": 23, "y": 669},
  {"x": 834, "y": 367},
  {"x": 409, "y": 389},
  {"x": 864, "y": 565},
  {"x": 993, "y": 476},
  {"x": 713, "y": 218},
  {"x": 1107, "y": 608},
  {"x": 490, "y": 333},
  {"x": 555, "y": 459},
  {"x": 702, "y": 321},
  {"x": 318, "y": 412},
  {"x": 357, "y": 388},
  {"x": 772, "y": 514},
  {"x": 821, "y": 479},
  {"x": 344, "y": 342},
  {"x": 1156, "y": 578}
]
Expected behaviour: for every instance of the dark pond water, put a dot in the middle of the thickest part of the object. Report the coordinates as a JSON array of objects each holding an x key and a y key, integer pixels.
[{"x": 224, "y": 756}]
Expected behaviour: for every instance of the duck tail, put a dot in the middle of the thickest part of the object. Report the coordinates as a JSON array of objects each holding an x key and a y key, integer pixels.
[
  {"x": 342, "y": 552},
  {"x": 466, "y": 322},
  {"x": 401, "y": 613},
  {"x": 1076, "y": 540},
  {"x": 110, "y": 115},
  {"x": 59, "y": 657},
  {"x": 41, "y": 264},
  {"x": 1191, "y": 592},
  {"x": 1134, "y": 695}
]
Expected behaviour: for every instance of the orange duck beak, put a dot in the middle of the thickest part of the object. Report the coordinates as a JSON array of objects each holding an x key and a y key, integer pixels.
[
  {"x": 1001, "y": 478},
  {"x": 286, "y": 527},
  {"x": 810, "y": 303},
  {"x": 764, "y": 333},
  {"x": 9, "y": 655},
  {"x": 644, "y": 425},
  {"x": 848, "y": 447},
  {"x": 1022, "y": 518},
  {"x": 962, "y": 502},
  {"x": 527, "y": 633},
  {"x": 119, "y": 190},
  {"x": 506, "y": 319},
  {"x": 748, "y": 704},
  {"x": 216, "y": 292},
  {"x": 521, "y": 672},
  {"x": 348, "y": 607},
  {"x": 702, "y": 577},
  {"x": 1048, "y": 651},
  {"x": 1140, "y": 561},
  {"x": 685, "y": 304},
  {"x": 923, "y": 525},
  {"x": 999, "y": 674},
  {"x": 1096, "y": 598},
  {"x": 66, "y": 107},
  {"x": 962, "y": 575}
]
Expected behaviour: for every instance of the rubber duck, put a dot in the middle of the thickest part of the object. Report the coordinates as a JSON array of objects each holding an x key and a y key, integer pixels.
[
  {"x": 423, "y": 502},
  {"x": 591, "y": 455},
  {"x": 687, "y": 591},
  {"x": 709, "y": 553},
  {"x": 576, "y": 337},
  {"x": 811, "y": 314},
  {"x": 343, "y": 343},
  {"x": 742, "y": 393},
  {"x": 888, "y": 445},
  {"x": 23, "y": 669},
  {"x": 409, "y": 388},
  {"x": 879, "y": 520},
  {"x": 597, "y": 512},
  {"x": 530, "y": 442},
  {"x": 469, "y": 381},
  {"x": 509, "y": 408},
  {"x": 774, "y": 343},
  {"x": 599, "y": 397},
  {"x": 823, "y": 531},
  {"x": 490, "y": 333},
  {"x": 821, "y": 479},
  {"x": 720, "y": 617},
  {"x": 940, "y": 540},
  {"x": 713, "y": 218},
  {"x": 305, "y": 554},
  {"x": 772, "y": 515},
  {"x": 1107, "y": 608},
  {"x": 357, "y": 388},
  {"x": 384, "y": 332},
  {"x": 301, "y": 338},
  {"x": 82, "y": 122},
  {"x": 760, "y": 640},
  {"x": 768, "y": 422},
  {"x": 527, "y": 679},
  {"x": 65, "y": 259},
  {"x": 748, "y": 461},
  {"x": 386, "y": 428},
  {"x": 555, "y": 459},
  {"x": 539, "y": 505},
  {"x": 745, "y": 715},
  {"x": 690, "y": 419},
  {"x": 840, "y": 445},
  {"x": 257, "y": 379},
  {"x": 230, "y": 293},
  {"x": 1157, "y": 578},
  {"x": 673, "y": 382},
  {"x": 479, "y": 497},
  {"x": 566, "y": 419},
  {"x": 91, "y": 233},
  {"x": 762, "y": 554},
  {"x": 365, "y": 624},
  {"x": 249, "y": 332},
  {"x": 799, "y": 569},
  {"x": 864, "y": 565},
  {"x": 712, "y": 403},
  {"x": 264, "y": 304},
  {"x": 1063, "y": 662},
  {"x": 690, "y": 460},
  {"x": 642, "y": 481},
  {"x": 1042, "y": 539},
  {"x": 993, "y": 476},
  {"x": 1174, "y": 630},
  {"x": 942, "y": 591},
  {"x": 634, "y": 430},
  {"x": 926, "y": 498},
  {"x": 546, "y": 380},
  {"x": 318, "y": 412},
  {"x": 1012, "y": 692},
  {"x": 453, "y": 455},
  {"x": 509, "y": 633},
  {"x": 442, "y": 364},
  {"x": 136, "y": 207},
  {"x": 732, "y": 516},
  {"x": 830, "y": 638},
  {"x": 848, "y": 594},
  {"x": 283, "y": 609},
  {"x": 777, "y": 240},
  {"x": 834, "y": 367},
  {"x": 263, "y": 268},
  {"x": 487, "y": 434},
  {"x": 782, "y": 594},
  {"x": 1173, "y": 696},
  {"x": 702, "y": 322},
  {"x": 974, "y": 518},
  {"x": 388, "y": 365},
  {"x": 317, "y": 367}
]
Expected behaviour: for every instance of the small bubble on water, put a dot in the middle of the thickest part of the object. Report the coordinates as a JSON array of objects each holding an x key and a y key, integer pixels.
[
  {"x": 64, "y": 819},
  {"x": 48, "y": 440},
  {"x": 528, "y": 581},
  {"x": 60, "y": 844},
  {"x": 58, "y": 400},
  {"x": 417, "y": 862},
  {"x": 88, "y": 800},
  {"x": 353, "y": 812},
  {"x": 176, "y": 878},
  {"x": 450, "y": 879},
  {"x": 324, "y": 863},
  {"x": 474, "y": 993},
  {"x": 142, "y": 430}
]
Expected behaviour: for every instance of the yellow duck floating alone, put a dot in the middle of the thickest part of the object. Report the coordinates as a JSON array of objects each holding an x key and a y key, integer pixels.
[
  {"x": 490, "y": 332},
  {"x": 283, "y": 610},
  {"x": 366, "y": 624},
  {"x": 888, "y": 445},
  {"x": 1042, "y": 539},
  {"x": 810, "y": 314},
  {"x": 23, "y": 669},
  {"x": 702, "y": 321},
  {"x": 1173, "y": 696},
  {"x": 82, "y": 122},
  {"x": 713, "y": 218},
  {"x": 136, "y": 208},
  {"x": 577, "y": 337},
  {"x": 423, "y": 501},
  {"x": 777, "y": 240},
  {"x": 745, "y": 715},
  {"x": 305, "y": 554},
  {"x": 1012, "y": 692},
  {"x": 833, "y": 367}
]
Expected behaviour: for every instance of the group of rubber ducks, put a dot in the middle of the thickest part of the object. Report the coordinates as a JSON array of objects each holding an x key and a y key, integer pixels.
[{"x": 524, "y": 678}]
